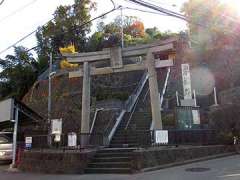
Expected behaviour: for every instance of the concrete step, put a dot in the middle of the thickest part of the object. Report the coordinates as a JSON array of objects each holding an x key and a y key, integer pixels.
[
  {"x": 111, "y": 159},
  {"x": 110, "y": 165},
  {"x": 116, "y": 150},
  {"x": 124, "y": 142},
  {"x": 113, "y": 154},
  {"x": 108, "y": 170},
  {"x": 124, "y": 145}
]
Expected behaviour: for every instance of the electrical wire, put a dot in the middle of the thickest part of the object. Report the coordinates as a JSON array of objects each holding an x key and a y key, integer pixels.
[
  {"x": 175, "y": 14},
  {"x": 114, "y": 5},
  {"x": 17, "y": 10},
  {"x": 1, "y": 2},
  {"x": 141, "y": 10},
  {"x": 82, "y": 25}
]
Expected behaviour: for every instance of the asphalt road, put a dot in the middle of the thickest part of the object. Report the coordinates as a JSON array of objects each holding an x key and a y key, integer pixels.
[{"x": 227, "y": 168}]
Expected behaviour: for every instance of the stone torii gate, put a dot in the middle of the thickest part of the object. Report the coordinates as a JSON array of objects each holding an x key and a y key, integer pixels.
[{"x": 115, "y": 55}]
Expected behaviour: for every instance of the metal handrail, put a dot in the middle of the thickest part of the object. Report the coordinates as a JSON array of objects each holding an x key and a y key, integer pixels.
[
  {"x": 165, "y": 86},
  {"x": 129, "y": 103},
  {"x": 94, "y": 119},
  {"x": 119, "y": 119},
  {"x": 133, "y": 98},
  {"x": 130, "y": 117},
  {"x": 163, "y": 92}
]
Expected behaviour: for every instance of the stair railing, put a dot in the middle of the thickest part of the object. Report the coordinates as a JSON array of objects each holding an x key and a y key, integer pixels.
[
  {"x": 129, "y": 104},
  {"x": 161, "y": 96},
  {"x": 94, "y": 119},
  {"x": 133, "y": 98},
  {"x": 137, "y": 100},
  {"x": 165, "y": 86}
]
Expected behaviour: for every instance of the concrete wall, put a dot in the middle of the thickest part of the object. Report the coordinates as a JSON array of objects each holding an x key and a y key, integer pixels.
[
  {"x": 55, "y": 162},
  {"x": 159, "y": 156}
]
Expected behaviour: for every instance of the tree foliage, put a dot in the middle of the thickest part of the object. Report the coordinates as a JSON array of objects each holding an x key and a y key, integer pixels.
[
  {"x": 211, "y": 23},
  {"x": 66, "y": 28},
  {"x": 19, "y": 73}
]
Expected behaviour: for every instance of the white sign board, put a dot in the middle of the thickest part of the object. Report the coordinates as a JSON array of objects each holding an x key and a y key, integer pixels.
[
  {"x": 186, "y": 78},
  {"x": 28, "y": 142},
  {"x": 196, "y": 117},
  {"x": 57, "y": 137},
  {"x": 6, "y": 110},
  {"x": 161, "y": 136},
  {"x": 56, "y": 126},
  {"x": 72, "y": 139},
  {"x": 163, "y": 63}
]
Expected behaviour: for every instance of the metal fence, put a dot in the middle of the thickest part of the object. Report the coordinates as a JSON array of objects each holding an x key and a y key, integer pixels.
[
  {"x": 175, "y": 137},
  {"x": 138, "y": 138},
  {"x": 83, "y": 140},
  {"x": 193, "y": 137}
]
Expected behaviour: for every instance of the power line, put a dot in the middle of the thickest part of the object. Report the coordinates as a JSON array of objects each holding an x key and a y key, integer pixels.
[
  {"x": 114, "y": 5},
  {"x": 174, "y": 14},
  {"x": 141, "y": 10},
  {"x": 160, "y": 9},
  {"x": 17, "y": 10},
  {"x": 1, "y": 2},
  {"x": 82, "y": 25}
]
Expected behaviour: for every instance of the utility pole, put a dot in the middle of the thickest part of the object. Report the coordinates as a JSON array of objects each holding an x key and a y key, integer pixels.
[
  {"x": 122, "y": 34},
  {"x": 15, "y": 137},
  {"x": 49, "y": 99}
]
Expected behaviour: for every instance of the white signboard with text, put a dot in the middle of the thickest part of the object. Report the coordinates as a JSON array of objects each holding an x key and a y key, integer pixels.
[
  {"x": 186, "y": 78},
  {"x": 56, "y": 126},
  {"x": 196, "y": 117},
  {"x": 28, "y": 142},
  {"x": 161, "y": 136},
  {"x": 72, "y": 139}
]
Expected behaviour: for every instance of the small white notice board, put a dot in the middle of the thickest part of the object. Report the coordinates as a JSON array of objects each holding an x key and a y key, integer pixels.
[
  {"x": 72, "y": 139},
  {"x": 28, "y": 142},
  {"x": 56, "y": 126},
  {"x": 196, "y": 117},
  {"x": 161, "y": 136}
]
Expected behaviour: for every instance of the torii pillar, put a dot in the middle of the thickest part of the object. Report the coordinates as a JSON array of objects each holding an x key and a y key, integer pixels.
[
  {"x": 85, "y": 104},
  {"x": 154, "y": 93}
]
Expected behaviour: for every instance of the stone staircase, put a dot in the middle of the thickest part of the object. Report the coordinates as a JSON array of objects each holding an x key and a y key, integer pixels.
[
  {"x": 117, "y": 158},
  {"x": 111, "y": 160},
  {"x": 127, "y": 135}
]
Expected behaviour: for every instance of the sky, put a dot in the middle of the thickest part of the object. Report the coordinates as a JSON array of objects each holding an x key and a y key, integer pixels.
[{"x": 16, "y": 23}]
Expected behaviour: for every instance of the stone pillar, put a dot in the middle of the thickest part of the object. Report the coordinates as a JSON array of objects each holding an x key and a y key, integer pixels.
[
  {"x": 154, "y": 93},
  {"x": 116, "y": 57},
  {"x": 85, "y": 104}
]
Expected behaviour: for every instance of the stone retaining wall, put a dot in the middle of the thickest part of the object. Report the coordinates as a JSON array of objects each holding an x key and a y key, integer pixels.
[
  {"x": 146, "y": 158},
  {"x": 55, "y": 162}
]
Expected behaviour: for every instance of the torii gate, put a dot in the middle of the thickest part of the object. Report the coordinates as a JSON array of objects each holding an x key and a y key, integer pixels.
[{"x": 115, "y": 55}]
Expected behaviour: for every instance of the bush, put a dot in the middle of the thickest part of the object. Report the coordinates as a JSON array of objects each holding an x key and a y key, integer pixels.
[{"x": 225, "y": 120}]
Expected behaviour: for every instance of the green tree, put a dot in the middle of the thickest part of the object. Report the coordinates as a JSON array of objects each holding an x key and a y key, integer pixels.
[
  {"x": 19, "y": 73},
  {"x": 66, "y": 28}
]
